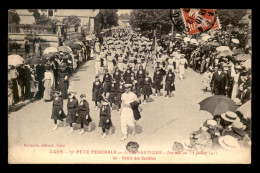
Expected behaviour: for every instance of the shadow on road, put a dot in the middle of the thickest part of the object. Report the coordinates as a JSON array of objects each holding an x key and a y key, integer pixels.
[
  {"x": 138, "y": 129},
  {"x": 18, "y": 106}
]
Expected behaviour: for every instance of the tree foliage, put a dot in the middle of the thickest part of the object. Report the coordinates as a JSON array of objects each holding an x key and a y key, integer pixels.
[
  {"x": 124, "y": 16},
  {"x": 107, "y": 18},
  {"x": 232, "y": 16},
  {"x": 151, "y": 19},
  {"x": 35, "y": 12},
  {"x": 71, "y": 20},
  {"x": 13, "y": 17}
]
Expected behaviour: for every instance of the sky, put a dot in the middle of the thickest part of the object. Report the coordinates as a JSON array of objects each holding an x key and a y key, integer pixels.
[{"x": 123, "y": 11}]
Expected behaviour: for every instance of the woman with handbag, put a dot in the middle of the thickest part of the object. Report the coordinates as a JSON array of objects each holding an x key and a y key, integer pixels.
[
  {"x": 105, "y": 118},
  {"x": 169, "y": 83}
]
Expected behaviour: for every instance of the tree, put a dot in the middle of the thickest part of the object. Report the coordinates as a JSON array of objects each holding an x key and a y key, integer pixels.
[
  {"x": 107, "y": 18},
  {"x": 227, "y": 17},
  {"x": 35, "y": 12},
  {"x": 13, "y": 17},
  {"x": 71, "y": 20},
  {"x": 151, "y": 19}
]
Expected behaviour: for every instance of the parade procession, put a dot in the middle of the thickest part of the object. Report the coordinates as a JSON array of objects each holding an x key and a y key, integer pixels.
[{"x": 120, "y": 85}]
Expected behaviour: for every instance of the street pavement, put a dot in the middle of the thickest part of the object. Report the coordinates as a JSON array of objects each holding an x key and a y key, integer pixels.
[{"x": 163, "y": 121}]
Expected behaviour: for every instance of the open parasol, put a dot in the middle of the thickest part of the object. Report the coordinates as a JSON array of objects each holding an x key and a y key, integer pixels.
[
  {"x": 225, "y": 53},
  {"x": 242, "y": 57},
  {"x": 238, "y": 51},
  {"x": 245, "y": 109},
  {"x": 50, "y": 50},
  {"x": 75, "y": 46},
  {"x": 48, "y": 55},
  {"x": 214, "y": 44},
  {"x": 222, "y": 48},
  {"x": 15, "y": 60},
  {"x": 64, "y": 49},
  {"x": 247, "y": 64},
  {"x": 206, "y": 48},
  {"x": 205, "y": 38},
  {"x": 218, "y": 104}
]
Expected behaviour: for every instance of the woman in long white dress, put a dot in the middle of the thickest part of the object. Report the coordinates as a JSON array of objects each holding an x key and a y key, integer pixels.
[
  {"x": 48, "y": 84},
  {"x": 235, "y": 73}
]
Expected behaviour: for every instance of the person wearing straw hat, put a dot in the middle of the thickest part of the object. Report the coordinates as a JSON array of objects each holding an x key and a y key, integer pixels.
[
  {"x": 228, "y": 118},
  {"x": 127, "y": 116},
  {"x": 235, "y": 73},
  {"x": 97, "y": 91},
  {"x": 72, "y": 105},
  {"x": 105, "y": 117},
  {"x": 83, "y": 117},
  {"x": 57, "y": 108}
]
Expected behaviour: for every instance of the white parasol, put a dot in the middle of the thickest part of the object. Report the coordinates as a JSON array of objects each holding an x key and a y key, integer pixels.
[
  {"x": 50, "y": 50},
  {"x": 15, "y": 60}
]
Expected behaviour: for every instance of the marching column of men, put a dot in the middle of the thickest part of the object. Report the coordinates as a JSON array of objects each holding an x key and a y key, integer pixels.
[{"x": 123, "y": 61}]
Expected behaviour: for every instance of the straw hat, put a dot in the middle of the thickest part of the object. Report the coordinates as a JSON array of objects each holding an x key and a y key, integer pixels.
[
  {"x": 127, "y": 86},
  {"x": 82, "y": 96},
  {"x": 230, "y": 116},
  {"x": 238, "y": 67},
  {"x": 229, "y": 143},
  {"x": 104, "y": 101},
  {"x": 212, "y": 123}
]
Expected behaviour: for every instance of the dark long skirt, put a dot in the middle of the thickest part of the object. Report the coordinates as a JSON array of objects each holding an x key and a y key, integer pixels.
[
  {"x": 157, "y": 84},
  {"x": 15, "y": 90},
  {"x": 107, "y": 86},
  {"x": 63, "y": 87},
  {"x": 55, "y": 113},
  {"x": 168, "y": 86},
  {"x": 102, "y": 122},
  {"x": 71, "y": 116},
  {"x": 147, "y": 90},
  {"x": 83, "y": 120},
  {"x": 96, "y": 96},
  {"x": 112, "y": 97}
]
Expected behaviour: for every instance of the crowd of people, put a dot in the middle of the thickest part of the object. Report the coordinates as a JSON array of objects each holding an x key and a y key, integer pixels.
[
  {"x": 38, "y": 80},
  {"x": 126, "y": 82}
]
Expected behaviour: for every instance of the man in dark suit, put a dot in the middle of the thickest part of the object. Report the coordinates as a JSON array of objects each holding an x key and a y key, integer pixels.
[{"x": 219, "y": 82}]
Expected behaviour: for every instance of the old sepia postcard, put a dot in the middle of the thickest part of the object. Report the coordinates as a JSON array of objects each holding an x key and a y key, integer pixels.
[{"x": 135, "y": 86}]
